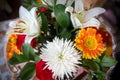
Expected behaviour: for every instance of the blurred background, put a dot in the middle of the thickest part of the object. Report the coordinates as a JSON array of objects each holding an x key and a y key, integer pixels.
[{"x": 9, "y": 8}]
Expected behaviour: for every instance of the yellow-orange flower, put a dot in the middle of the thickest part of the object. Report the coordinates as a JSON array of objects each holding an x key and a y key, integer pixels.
[
  {"x": 90, "y": 43},
  {"x": 11, "y": 46},
  {"x": 39, "y": 1}
]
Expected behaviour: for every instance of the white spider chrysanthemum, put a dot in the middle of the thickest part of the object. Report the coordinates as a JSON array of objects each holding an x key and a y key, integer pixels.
[{"x": 61, "y": 57}]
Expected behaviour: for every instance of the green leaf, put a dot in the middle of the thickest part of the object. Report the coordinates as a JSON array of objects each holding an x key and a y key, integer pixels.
[
  {"x": 100, "y": 75},
  {"x": 27, "y": 72},
  {"x": 44, "y": 22},
  {"x": 37, "y": 58},
  {"x": 108, "y": 61},
  {"x": 65, "y": 34},
  {"x": 28, "y": 51},
  {"x": 61, "y": 17},
  {"x": 16, "y": 59},
  {"x": 91, "y": 65},
  {"x": 102, "y": 56}
]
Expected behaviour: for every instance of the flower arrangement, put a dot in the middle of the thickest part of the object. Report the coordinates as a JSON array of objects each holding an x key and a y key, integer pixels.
[{"x": 59, "y": 40}]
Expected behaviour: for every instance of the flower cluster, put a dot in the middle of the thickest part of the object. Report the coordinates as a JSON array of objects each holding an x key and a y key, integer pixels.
[{"x": 59, "y": 40}]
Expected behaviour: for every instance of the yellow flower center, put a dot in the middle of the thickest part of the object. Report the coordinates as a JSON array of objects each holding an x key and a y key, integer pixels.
[
  {"x": 60, "y": 57},
  {"x": 91, "y": 43}
]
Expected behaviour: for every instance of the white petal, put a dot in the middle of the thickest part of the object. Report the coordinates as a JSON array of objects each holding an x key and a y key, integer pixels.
[
  {"x": 28, "y": 39},
  {"x": 61, "y": 2},
  {"x": 25, "y": 15},
  {"x": 78, "y": 5},
  {"x": 69, "y": 3},
  {"x": 50, "y": 2},
  {"x": 12, "y": 24},
  {"x": 33, "y": 16},
  {"x": 93, "y": 12},
  {"x": 75, "y": 21},
  {"x": 34, "y": 27},
  {"x": 69, "y": 9},
  {"x": 33, "y": 12},
  {"x": 92, "y": 22}
]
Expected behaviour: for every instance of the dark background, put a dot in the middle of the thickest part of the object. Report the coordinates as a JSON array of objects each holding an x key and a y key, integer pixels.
[{"x": 9, "y": 10}]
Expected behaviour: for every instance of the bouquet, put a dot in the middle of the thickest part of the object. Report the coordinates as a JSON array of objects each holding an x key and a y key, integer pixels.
[{"x": 59, "y": 40}]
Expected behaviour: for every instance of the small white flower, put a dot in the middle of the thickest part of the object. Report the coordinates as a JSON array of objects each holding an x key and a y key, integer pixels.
[
  {"x": 28, "y": 23},
  {"x": 61, "y": 57},
  {"x": 82, "y": 18}
]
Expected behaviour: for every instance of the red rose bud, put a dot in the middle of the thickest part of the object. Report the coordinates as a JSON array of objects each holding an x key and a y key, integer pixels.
[
  {"x": 33, "y": 43},
  {"x": 43, "y": 9},
  {"x": 41, "y": 73}
]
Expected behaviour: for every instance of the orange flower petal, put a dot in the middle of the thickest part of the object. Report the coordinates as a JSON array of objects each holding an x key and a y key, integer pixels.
[{"x": 90, "y": 43}]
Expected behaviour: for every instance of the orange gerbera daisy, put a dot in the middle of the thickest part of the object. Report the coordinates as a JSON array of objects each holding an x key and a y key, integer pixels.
[{"x": 90, "y": 43}]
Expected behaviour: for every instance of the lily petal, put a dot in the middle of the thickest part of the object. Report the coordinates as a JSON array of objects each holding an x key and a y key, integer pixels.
[
  {"x": 78, "y": 6},
  {"x": 70, "y": 2},
  {"x": 61, "y": 2},
  {"x": 93, "y": 12},
  {"x": 34, "y": 28},
  {"x": 69, "y": 9},
  {"x": 49, "y": 2},
  {"x": 92, "y": 22},
  {"x": 12, "y": 24},
  {"x": 75, "y": 21},
  {"x": 25, "y": 15}
]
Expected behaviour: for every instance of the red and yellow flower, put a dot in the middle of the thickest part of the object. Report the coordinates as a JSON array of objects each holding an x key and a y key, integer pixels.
[
  {"x": 90, "y": 42},
  {"x": 15, "y": 44},
  {"x": 11, "y": 46}
]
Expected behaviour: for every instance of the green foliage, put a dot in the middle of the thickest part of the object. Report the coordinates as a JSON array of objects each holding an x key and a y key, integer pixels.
[
  {"x": 27, "y": 55},
  {"x": 98, "y": 67},
  {"x": 27, "y": 72},
  {"x": 16, "y": 59},
  {"x": 61, "y": 17},
  {"x": 90, "y": 64},
  {"x": 108, "y": 61},
  {"x": 28, "y": 52}
]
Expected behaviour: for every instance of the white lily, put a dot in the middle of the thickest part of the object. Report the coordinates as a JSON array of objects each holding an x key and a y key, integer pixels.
[
  {"x": 82, "y": 18},
  {"x": 28, "y": 24},
  {"x": 64, "y": 2}
]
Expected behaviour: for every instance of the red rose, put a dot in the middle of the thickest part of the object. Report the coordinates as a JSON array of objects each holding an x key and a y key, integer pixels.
[
  {"x": 20, "y": 40},
  {"x": 41, "y": 73}
]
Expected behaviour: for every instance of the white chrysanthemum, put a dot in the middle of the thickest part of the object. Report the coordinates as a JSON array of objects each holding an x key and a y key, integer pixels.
[{"x": 61, "y": 57}]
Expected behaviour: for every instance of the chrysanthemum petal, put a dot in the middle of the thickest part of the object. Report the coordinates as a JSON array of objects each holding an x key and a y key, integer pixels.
[{"x": 61, "y": 57}]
